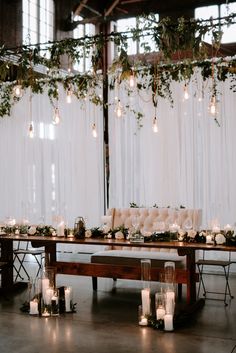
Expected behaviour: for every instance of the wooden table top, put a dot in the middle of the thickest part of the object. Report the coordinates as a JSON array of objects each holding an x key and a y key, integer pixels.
[{"x": 115, "y": 242}]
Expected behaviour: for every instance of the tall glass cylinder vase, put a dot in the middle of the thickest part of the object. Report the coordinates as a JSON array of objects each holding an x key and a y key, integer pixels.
[
  {"x": 145, "y": 273},
  {"x": 48, "y": 288},
  {"x": 169, "y": 275},
  {"x": 145, "y": 293}
]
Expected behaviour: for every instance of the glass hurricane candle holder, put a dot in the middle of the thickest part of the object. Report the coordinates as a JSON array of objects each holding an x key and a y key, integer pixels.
[
  {"x": 68, "y": 299},
  {"x": 160, "y": 305},
  {"x": 47, "y": 302},
  {"x": 145, "y": 272},
  {"x": 55, "y": 303},
  {"x": 142, "y": 319}
]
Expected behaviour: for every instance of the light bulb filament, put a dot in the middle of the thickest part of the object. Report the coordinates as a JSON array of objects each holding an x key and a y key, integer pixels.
[
  {"x": 131, "y": 80},
  {"x": 31, "y": 130},
  {"x": 69, "y": 95},
  {"x": 154, "y": 125},
  {"x": 212, "y": 106},
  {"x": 17, "y": 90},
  {"x": 94, "y": 130},
  {"x": 186, "y": 94},
  {"x": 56, "y": 117}
]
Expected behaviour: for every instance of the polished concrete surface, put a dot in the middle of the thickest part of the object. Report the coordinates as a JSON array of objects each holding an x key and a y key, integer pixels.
[{"x": 107, "y": 321}]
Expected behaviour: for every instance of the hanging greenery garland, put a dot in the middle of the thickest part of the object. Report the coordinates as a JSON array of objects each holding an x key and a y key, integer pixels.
[{"x": 44, "y": 66}]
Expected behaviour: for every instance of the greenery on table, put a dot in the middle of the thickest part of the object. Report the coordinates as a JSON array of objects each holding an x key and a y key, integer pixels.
[
  {"x": 122, "y": 232},
  {"x": 42, "y": 230}
]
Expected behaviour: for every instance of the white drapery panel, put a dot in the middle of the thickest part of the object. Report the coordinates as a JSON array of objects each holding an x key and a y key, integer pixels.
[
  {"x": 60, "y": 170},
  {"x": 191, "y": 161}
]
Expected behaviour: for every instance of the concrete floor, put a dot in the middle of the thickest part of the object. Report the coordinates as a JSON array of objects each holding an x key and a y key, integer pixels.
[{"x": 107, "y": 322}]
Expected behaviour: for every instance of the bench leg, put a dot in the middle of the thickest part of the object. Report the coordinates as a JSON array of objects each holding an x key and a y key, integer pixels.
[{"x": 95, "y": 283}]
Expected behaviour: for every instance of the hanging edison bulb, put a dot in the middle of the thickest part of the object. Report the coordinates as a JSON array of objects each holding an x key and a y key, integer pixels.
[
  {"x": 94, "y": 131},
  {"x": 154, "y": 125},
  {"x": 186, "y": 93},
  {"x": 131, "y": 79},
  {"x": 212, "y": 106},
  {"x": 119, "y": 109},
  {"x": 17, "y": 91},
  {"x": 31, "y": 130},
  {"x": 69, "y": 95},
  {"x": 56, "y": 117}
]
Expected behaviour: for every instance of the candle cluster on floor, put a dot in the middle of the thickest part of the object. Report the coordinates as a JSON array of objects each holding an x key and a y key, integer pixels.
[
  {"x": 46, "y": 300},
  {"x": 164, "y": 299}
]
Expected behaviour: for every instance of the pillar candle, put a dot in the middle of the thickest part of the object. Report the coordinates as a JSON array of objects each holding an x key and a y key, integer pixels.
[
  {"x": 68, "y": 298},
  {"x": 48, "y": 296},
  {"x": 170, "y": 300},
  {"x": 61, "y": 229},
  {"x": 168, "y": 322},
  {"x": 160, "y": 313},
  {"x": 146, "y": 301},
  {"x": 34, "y": 307},
  {"x": 45, "y": 286}
]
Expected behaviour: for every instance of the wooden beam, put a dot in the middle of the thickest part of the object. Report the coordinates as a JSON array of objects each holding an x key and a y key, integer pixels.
[
  {"x": 125, "y": 2},
  {"x": 122, "y": 10},
  {"x": 116, "y": 2},
  {"x": 80, "y": 7},
  {"x": 114, "y": 271},
  {"x": 93, "y": 10}
]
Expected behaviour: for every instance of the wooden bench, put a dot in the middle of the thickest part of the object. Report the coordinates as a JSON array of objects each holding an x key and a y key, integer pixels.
[{"x": 125, "y": 262}]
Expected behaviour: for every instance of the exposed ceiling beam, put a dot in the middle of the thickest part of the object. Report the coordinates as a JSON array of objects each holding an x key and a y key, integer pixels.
[
  {"x": 80, "y": 7},
  {"x": 92, "y": 10},
  {"x": 122, "y": 10},
  {"x": 83, "y": 4},
  {"x": 116, "y": 2},
  {"x": 125, "y": 2}
]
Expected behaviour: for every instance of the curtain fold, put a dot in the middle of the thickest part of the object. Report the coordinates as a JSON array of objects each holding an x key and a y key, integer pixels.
[
  {"x": 190, "y": 161},
  {"x": 60, "y": 170}
]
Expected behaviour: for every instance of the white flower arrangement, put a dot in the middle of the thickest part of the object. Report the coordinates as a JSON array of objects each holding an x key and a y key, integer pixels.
[
  {"x": 88, "y": 233},
  {"x": 32, "y": 230},
  {"x": 119, "y": 235}
]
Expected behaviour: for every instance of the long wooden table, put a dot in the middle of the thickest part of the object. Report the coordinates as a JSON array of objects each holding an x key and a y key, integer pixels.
[{"x": 107, "y": 270}]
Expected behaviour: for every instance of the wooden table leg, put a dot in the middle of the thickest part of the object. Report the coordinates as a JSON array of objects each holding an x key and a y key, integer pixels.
[
  {"x": 191, "y": 274},
  {"x": 7, "y": 271},
  {"x": 191, "y": 277}
]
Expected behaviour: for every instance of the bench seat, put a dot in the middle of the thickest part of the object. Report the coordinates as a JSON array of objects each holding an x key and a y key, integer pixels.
[
  {"x": 149, "y": 220},
  {"x": 133, "y": 258}
]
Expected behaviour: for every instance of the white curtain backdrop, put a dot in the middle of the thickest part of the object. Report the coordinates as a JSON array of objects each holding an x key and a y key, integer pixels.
[
  {"x": 60, "y": 170},
  {"x": 191, "y": 161}
]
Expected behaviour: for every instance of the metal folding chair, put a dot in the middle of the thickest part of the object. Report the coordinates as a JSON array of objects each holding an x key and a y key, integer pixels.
[
  {"x": 220, "y": 263},
  {"x": 20, "y": 255}
]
